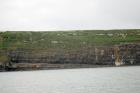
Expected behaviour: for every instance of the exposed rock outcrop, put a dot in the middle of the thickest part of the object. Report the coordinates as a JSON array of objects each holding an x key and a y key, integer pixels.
[{"x": 100, "y": 55}]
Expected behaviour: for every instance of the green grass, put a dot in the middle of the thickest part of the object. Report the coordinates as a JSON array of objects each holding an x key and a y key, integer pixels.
[{"x": 66, "y": 39}]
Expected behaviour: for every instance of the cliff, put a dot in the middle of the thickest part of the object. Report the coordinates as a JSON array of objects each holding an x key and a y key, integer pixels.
[{"x": 38, "y": 50}]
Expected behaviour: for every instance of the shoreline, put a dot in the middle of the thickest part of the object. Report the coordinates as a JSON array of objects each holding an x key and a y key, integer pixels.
[{"x": 77, "y": 66}]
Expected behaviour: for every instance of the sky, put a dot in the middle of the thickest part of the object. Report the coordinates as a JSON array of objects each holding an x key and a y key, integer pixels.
[{"x": 55, "y": 15}]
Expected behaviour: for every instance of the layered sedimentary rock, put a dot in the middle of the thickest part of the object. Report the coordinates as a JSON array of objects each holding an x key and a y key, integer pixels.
[
  {"x": 127, "y": 54},
  {"x": 98, "y": 55}
]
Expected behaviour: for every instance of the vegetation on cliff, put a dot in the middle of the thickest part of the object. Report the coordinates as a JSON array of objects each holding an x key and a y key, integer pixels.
[{"x": 66, "y": 39}]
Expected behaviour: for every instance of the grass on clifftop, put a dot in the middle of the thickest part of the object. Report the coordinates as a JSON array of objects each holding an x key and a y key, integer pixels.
[{"x": 66, "y": 39}]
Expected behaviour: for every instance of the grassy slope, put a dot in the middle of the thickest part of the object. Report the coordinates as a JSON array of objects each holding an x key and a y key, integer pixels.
[{"x": 66, "y": 39}]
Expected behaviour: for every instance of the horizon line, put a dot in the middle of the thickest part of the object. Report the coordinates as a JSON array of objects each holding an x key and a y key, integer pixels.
[{"x": 67, "y": 30}]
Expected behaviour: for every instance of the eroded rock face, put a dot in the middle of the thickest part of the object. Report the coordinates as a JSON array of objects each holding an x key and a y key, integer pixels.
[
  {"x": 94, "y": 55},
  {"x": 99, "y": 55},
  {"x": 129, "y": 53}
]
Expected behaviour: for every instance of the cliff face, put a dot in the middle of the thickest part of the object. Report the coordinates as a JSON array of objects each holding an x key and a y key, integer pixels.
[
  {"x": 127, "y": 54},
  {"x": 100, "y": 55},
  {"x": 30, "y": 49},
  {"x": 95, "y": 55}
]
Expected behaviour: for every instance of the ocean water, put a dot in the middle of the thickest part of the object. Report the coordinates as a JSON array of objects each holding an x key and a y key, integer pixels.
[{"x": 85, "y": 80}]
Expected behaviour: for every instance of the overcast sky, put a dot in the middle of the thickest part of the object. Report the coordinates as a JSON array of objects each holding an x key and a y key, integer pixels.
[{"x": 69, "y": 14}]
